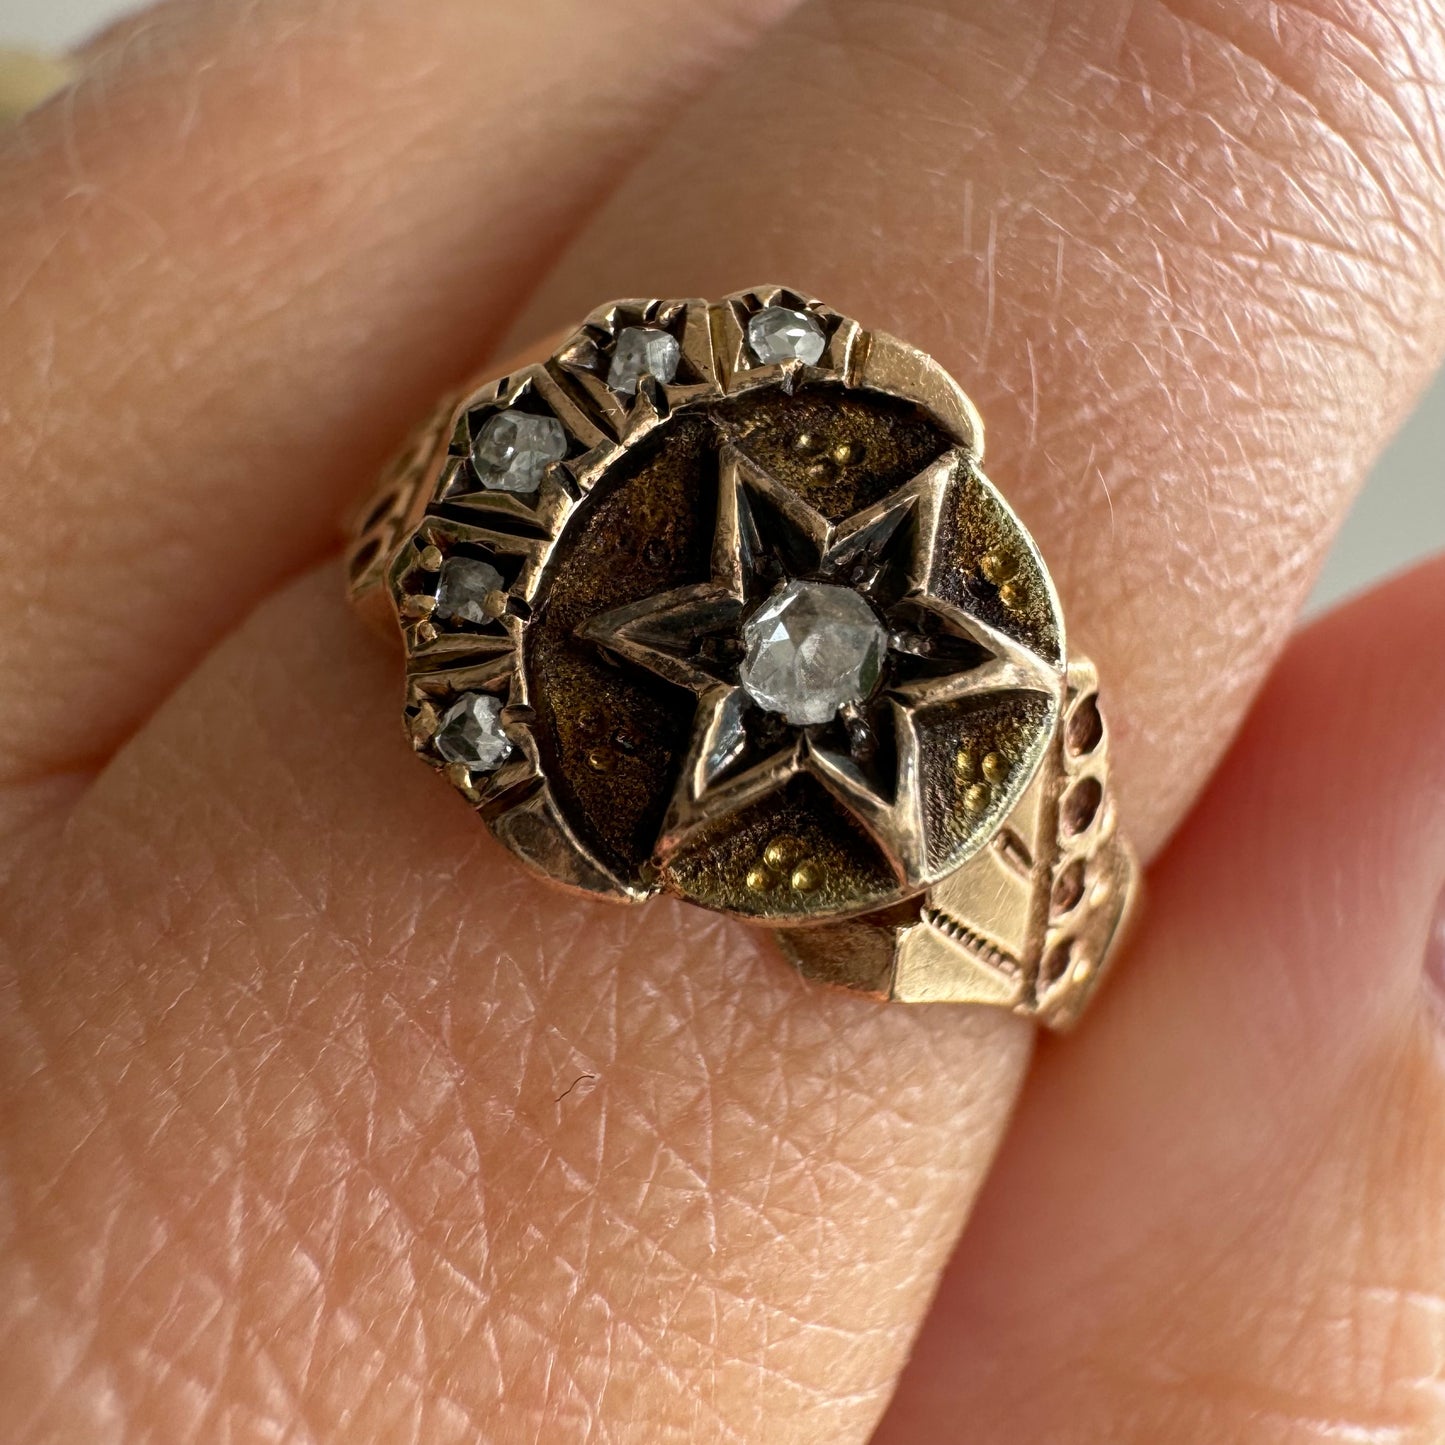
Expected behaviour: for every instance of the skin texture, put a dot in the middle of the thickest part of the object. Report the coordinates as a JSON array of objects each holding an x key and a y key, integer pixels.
[
  {"x": 250, "y": 241},
  {"x": 1257, "y": 1250},
  {"x": 1184, "y": 257},
  {"x": 318, "y": 1120}
]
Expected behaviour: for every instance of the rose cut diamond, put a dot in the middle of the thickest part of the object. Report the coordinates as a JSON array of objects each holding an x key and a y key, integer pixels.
[
  {"x": 463, "y": 586},
  {"x": 642, "y": 351},
  {"x": 471, "y": 733},
  {"x": 811, "y": 648},
  {"x": 779, "y": 333},
  {"x": 515, "y": 448}
]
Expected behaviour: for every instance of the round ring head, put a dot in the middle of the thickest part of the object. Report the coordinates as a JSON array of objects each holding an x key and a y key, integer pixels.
[{"x": 717, "y": 601}]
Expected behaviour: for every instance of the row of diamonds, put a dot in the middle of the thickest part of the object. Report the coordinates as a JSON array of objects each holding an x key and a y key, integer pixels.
[{"x": 515, "y": 451}]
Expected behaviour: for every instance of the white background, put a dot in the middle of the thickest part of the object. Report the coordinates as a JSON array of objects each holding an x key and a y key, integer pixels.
[{"x": 1400, "y": 515}]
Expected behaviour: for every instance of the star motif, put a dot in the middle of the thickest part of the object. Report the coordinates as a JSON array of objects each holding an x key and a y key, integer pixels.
[{"x": 868, "y": 756}]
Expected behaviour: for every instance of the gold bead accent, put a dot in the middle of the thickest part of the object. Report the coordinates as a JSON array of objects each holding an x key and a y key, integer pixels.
[
  {"x": 431, "y": 559},
  {"x": 494, "y": 604},
  {"x": 805, "y": 441},
  {"x": 783, "y": 852},
  {"x": 806, "y": 877},
  {"x": 966, "y": 765},
  {"x": 601, "y": 760},
  {"x": 998, "y": 567},
  {"x": 1010, "y": 595},
  {"x": 976, "y": 798},
  {"x": 760, "y": 879},
  {"x": 995, "y": 767},
  {"x": 844, "y": 453},
  {"x": 426, "y": 632}
]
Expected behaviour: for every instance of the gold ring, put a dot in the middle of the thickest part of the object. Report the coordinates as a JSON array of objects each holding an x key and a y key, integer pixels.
[{"x": 717, "y": 602}]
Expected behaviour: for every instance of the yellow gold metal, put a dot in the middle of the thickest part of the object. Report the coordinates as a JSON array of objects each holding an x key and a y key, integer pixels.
[
  {"x": 997, "y": 568},
  {"x": 806, "y": 877},
  {"x": 947, "y": 834},
  {"x": 995, "y": 767},
  {"x": 783, "y": 852}
]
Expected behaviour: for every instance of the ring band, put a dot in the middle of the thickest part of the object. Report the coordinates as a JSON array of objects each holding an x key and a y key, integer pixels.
[{"x": 717, "y": 602}]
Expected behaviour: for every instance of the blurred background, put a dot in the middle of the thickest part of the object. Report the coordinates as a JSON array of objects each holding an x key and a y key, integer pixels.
[{"x": 1400, "y": 515}]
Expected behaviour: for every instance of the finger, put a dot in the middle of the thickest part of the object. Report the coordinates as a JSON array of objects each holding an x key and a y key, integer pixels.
[
  {"x": 236, "y": 260},
  {"x": 1219, "y": 1214},
  {"x": 1186, "y": 257},
  {"x": 313, "y": 1107},
  {"x": 801, "y": 1341},
  {"x": 1190, "y": 266}
]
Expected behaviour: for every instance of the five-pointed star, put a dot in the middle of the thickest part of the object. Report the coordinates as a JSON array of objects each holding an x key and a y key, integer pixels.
[{"x": 938, "y": 653}]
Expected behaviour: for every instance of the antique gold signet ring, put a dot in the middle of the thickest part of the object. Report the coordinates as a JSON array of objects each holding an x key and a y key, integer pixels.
[{"x": 717, "y": 602}]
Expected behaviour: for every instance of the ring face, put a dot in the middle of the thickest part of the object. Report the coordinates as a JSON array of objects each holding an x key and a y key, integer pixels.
[{"x": 717, "y": 601}]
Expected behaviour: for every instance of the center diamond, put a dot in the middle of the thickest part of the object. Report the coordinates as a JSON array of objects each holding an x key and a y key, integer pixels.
[{"x": 811, "y": 648}]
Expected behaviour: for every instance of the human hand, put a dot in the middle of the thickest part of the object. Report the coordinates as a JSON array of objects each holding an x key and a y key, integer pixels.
[{"x": 323, "y": 1122}]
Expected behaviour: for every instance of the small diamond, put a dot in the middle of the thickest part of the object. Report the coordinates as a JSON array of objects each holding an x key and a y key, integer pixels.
[
  {"x": 811, "y": 648},
  {"x": 514, "y": 448},
  {"x": 471, "y": 733},
  {"x": 778, "y": 333},
  {"x": 463, "y": 587},
  {"x": 642, "y": 351}
]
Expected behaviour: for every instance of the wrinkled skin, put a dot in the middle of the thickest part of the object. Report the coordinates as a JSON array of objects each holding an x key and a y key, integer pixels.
[{"x": 320, "y": 1121}]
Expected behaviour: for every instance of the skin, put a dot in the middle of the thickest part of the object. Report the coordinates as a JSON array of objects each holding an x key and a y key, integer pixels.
[{"x": 319, "y": 1120}]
